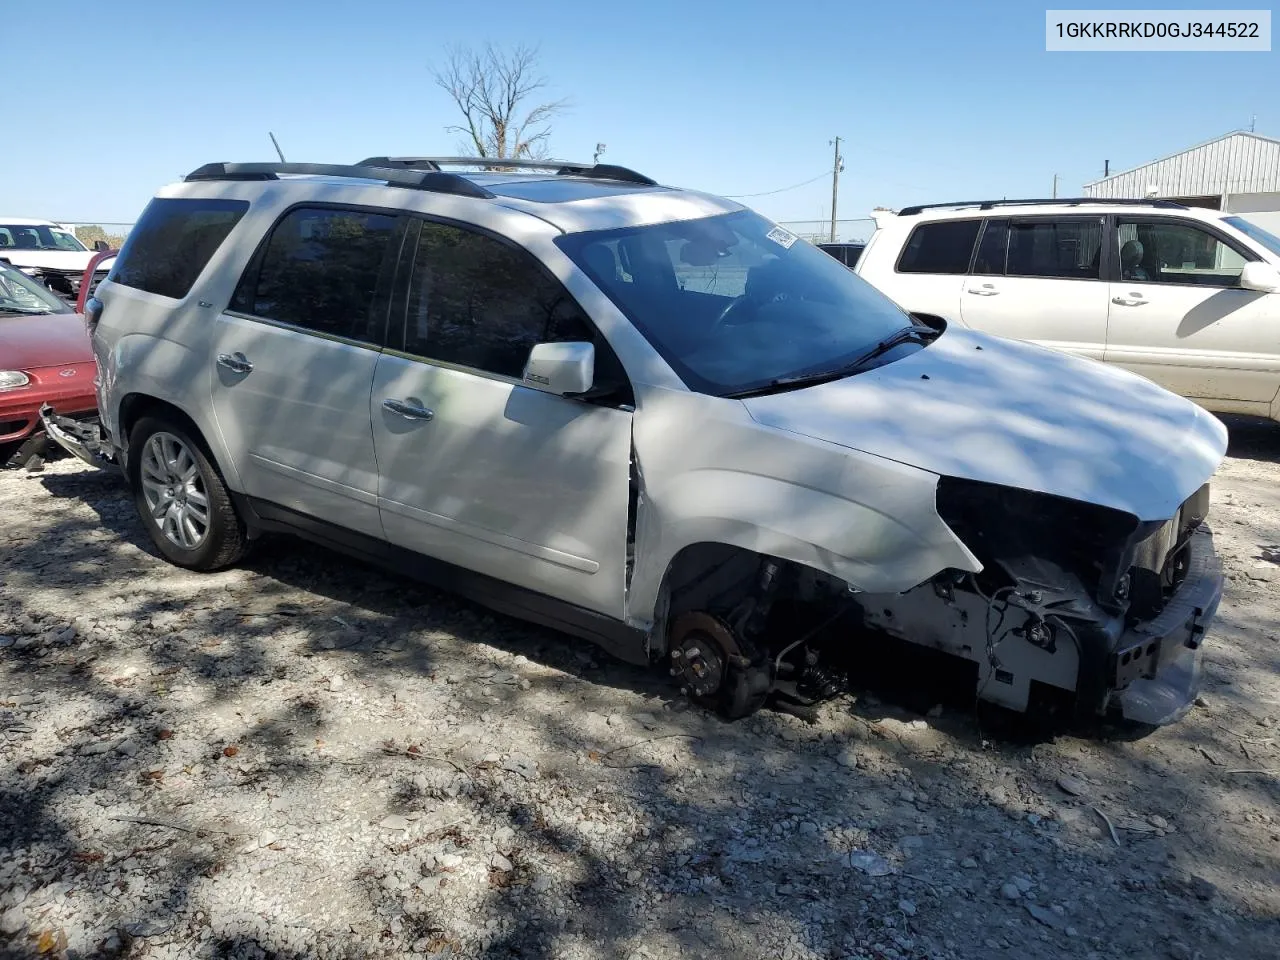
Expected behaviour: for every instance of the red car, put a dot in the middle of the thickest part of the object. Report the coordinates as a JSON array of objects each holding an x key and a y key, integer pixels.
[
  {"x": 45, "y": 358},
  {"x": 93, "y": 275}
]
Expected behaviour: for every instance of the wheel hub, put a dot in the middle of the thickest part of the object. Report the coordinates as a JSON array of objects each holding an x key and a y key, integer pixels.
[{"x": 701, "y": 648}]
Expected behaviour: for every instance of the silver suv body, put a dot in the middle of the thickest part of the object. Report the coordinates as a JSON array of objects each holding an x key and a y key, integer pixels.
[{"x": 649, "y": 417}]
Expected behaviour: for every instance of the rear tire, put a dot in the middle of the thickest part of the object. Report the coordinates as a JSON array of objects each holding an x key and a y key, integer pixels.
[{"x": 181, "y": 497}]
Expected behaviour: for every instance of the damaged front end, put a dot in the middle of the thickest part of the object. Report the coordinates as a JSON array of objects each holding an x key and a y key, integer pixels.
[{"x": 1073, "y": 597}]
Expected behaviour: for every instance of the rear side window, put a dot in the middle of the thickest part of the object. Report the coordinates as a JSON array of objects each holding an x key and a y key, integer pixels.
[
  {"x": 1067, "y": 249},
  {"x": 941, "y": 247},
  {"x": 172, "y": 243},
  {"x": 992, "y": 248},
  {"x": 324, "y": 270}
]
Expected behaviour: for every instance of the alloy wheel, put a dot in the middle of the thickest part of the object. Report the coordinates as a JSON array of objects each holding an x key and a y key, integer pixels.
[{"x": 174, "y": 490}]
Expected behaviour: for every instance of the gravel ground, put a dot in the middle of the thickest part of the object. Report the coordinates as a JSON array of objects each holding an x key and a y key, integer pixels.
[{"x": 306, "y": 757}]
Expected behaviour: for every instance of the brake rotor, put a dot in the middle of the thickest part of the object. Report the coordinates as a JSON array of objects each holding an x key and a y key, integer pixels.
[{"x": 701, "y": 649}]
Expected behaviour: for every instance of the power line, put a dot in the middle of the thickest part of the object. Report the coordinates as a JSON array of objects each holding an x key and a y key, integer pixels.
[{"x": 767, "y": 193}]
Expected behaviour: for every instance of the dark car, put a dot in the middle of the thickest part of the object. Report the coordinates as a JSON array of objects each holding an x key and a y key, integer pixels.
[
  {"x": 846, "y": 253},
  {"x": 45, "y": 358}
]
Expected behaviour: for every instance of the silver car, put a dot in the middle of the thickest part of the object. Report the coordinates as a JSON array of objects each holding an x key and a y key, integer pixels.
[{"x": 652, "y": 418}]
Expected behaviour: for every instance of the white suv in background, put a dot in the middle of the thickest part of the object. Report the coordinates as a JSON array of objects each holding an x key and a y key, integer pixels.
[
  {"x": 652, "y": 418},
  {"x": 1188, "y": 297}
]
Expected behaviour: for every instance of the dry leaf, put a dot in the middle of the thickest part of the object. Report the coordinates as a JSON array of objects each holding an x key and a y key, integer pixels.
[
  {"x": 230, "y": 751},
  {"x": 51, "y": 940}
]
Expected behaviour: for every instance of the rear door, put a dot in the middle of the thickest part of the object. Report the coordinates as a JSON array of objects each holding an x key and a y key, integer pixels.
[
  {"x": 294, "y": 356},
  {"x": 1179, "y": 316},
  {"x": 1040, "y": 279},
  {"x": 477, "y": 469}
]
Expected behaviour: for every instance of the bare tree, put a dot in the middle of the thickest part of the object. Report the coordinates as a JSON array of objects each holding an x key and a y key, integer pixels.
[{"x": 495, "y": 89}]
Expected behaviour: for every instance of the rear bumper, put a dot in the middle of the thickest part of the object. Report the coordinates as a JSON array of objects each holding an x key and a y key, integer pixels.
[
  {"x": 80, "y": 438},
  {"x": 1156, "y": 666}
]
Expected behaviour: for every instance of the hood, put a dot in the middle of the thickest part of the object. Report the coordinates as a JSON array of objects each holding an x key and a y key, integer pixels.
[
  {"x": 982, "y": 408},
  {"x": 53, "y": 259},
  {"x": 49, "y": 339}
]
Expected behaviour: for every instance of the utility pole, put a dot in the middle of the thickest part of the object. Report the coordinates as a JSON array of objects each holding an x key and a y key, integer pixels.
[
  {"x": 837, "y": 164},
  {"x": 1252, "y": 121},
  {"x": 1106, "y": 168},
  {"x": 1055, "y": 186},
  {"x": 599, "y": 150},
  {"x": 279, "y": 152}
]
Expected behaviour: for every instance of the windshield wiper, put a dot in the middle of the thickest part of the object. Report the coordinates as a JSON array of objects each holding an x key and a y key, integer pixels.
[
  {"x": 918, "y": 333},
  {"x": 25, "y": 312}
]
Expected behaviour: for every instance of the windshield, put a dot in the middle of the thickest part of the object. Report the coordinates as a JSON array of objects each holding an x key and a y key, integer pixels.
[
  {"x": 20, "y": 236},
  {"x": 1252, "y": 230},
  {"x": 20, "y": 294},
  {"x": 734, "y": 302}
]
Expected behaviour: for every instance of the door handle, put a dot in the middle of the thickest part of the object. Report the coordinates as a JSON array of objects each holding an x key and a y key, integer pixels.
[
  {"x": 1128, "y": 301},
  {"x": 984, "y": 291},
  {"x": 235, "y": 362},
  {"x": 410, "y": 411}
]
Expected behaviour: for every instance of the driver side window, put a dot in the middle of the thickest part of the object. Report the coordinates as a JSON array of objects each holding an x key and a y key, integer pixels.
[
  {"x": 1168, "y": 252},
  {"x": 478, "y": 302}
]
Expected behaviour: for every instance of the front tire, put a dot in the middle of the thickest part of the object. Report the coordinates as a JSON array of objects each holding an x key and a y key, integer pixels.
[{"x": 181, "y": 497}]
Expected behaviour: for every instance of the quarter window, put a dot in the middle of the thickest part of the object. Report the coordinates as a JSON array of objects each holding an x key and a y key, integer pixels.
[
  {"x": 941, "y": 247},
  {"x": 477, "y": 302},
  {"x": 1175, "y": 253},
  {"x": 173, "y": 242},
  {"x": 1070, "y": 249},
  {"x": 324, "y": 270}
]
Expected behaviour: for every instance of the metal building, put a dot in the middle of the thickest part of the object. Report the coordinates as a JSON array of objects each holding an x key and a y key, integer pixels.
[{"x": 1239, "y": 173}]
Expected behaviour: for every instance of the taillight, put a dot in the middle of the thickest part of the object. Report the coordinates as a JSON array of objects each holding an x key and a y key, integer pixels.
[{"x": 92, "y": 314}]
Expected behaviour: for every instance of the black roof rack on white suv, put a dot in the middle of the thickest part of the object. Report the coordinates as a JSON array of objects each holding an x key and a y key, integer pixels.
[
  {"x": 418, "y": 179},
  {"x": 1063, "y": 201},
  {"x": 600, "y": 171}
]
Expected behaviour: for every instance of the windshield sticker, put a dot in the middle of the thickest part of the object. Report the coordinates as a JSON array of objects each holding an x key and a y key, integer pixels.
[{"x": 782, "y": 238}]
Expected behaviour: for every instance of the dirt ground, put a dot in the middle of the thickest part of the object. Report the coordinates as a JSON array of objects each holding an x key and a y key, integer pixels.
[{"x": 306, "y": 757}]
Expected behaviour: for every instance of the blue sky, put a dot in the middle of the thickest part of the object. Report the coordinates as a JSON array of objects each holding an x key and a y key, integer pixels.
[{"x": 935, "y": 101}]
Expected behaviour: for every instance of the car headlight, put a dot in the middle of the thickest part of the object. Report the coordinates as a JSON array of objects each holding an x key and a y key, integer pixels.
[
  {"x": 12, "y": 379},
  {"x": 29, "y": 271}
]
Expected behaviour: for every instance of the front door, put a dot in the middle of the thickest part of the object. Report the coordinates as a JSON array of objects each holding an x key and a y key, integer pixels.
[
  {"x": 478, "y": 470},
  {"x": 294, "y": 358},
  {"x": 1179, "y": 316},
  {"x": 1040, "y": 279}
]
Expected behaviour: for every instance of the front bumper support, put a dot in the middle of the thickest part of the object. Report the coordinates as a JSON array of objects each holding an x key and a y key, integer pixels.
[{"x": 1157, "y": 665}]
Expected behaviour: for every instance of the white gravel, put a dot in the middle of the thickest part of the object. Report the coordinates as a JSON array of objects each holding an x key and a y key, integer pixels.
[{"x": 306, "y": 757}]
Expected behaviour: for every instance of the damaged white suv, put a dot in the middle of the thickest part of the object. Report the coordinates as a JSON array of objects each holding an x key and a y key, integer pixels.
[{"x": 651, "y": 418}]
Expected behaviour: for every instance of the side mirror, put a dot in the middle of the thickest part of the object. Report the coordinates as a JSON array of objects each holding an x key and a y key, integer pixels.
[
  {"x": 1260, "y": 276},
  {"x": 100, "y": 245},
  {"x": 561, "y": 368}
]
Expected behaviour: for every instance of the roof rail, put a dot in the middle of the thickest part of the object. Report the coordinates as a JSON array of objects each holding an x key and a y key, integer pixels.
[
  {"x": 418, "y": 179},
  {"x": 1062, "y": 201},
  {"x": 563, "y": 168}
]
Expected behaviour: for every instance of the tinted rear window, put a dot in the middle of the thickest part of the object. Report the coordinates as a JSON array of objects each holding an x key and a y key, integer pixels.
[
  {"x": 1070, "y": 249},
  {"x": 173, "y": 242},
  {"x": 323, "y": 269},
  {"x": 941, "y": 247}
]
